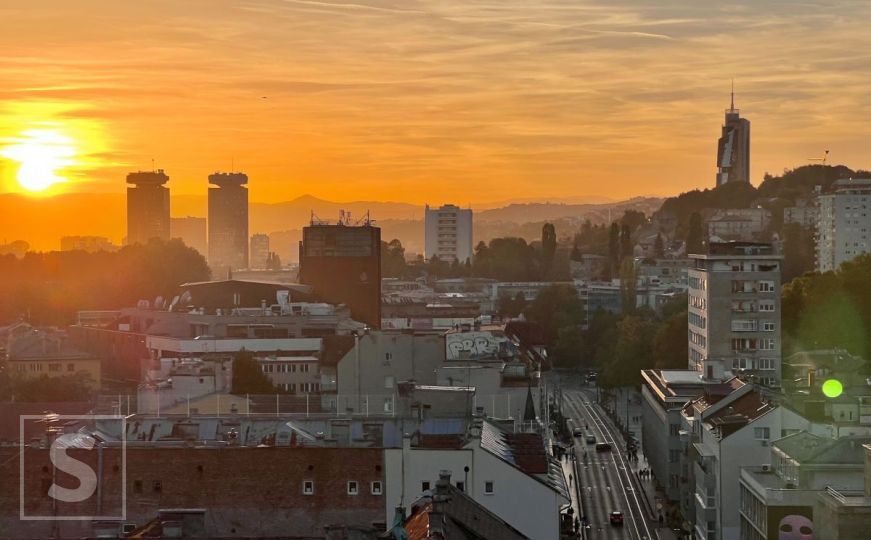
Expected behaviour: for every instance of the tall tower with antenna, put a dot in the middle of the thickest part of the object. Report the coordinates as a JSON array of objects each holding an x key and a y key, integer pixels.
[{"x": 733, "y": 148}]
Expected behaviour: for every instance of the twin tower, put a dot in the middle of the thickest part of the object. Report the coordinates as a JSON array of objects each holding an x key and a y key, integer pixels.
[{"x": 148, "y": 215}]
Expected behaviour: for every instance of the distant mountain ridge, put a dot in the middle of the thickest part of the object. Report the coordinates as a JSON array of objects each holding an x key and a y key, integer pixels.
[{"x": 42, "y": 221}]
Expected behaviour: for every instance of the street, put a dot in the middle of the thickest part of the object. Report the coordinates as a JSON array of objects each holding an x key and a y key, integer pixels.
[{"x": 607, "y": 482}]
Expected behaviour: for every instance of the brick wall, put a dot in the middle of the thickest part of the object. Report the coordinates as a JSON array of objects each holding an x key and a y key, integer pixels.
[{"x": 245, "y": 491}]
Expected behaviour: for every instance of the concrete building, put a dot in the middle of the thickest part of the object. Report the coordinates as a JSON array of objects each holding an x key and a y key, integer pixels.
[
  {"x": 509, "y": 474},
  {"x": 89, "y": 244},
  {"x": 448, "y": 233},
  {"x": 664, "y": 393},
  {"x": 844, "y": 226},
  {"x": 734, "y": 312},
  {"x": 804, "y": 213},
  {"x": 259, "y": 251},
  {"x": 778, "y": 496},
  {"x": 147, "y": 207},
  {"x": 342, "y": 263},
  {"x": 192, "y": 231},
  {"x": 845, "y": 514},
  {"x": 49, "y": 352},
  {"x": 228, "y": 222},
  {"x": 745, "y": 224},
  {"x": 733, "y": 148},
  {"x": 729, "y": 427}
]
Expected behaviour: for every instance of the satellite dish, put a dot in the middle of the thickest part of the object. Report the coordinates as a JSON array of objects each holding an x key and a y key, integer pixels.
[{"x": 173, "y": 303}]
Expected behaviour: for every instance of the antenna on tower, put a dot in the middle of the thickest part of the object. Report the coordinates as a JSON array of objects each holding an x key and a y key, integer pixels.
[{"x": 733, "y": 95}]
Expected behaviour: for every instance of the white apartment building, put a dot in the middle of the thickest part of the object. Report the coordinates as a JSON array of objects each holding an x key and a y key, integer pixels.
[
  {"x": 448, "y": 233},
  {"x": 844, "y": 225},
  {"x": 734, "y": 312}
]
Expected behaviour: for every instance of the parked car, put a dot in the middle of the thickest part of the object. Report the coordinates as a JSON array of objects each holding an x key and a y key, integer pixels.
[
  {"x": 578, "y": 432},
  {"x": 603, "y": 447},
  {"x": 616, "y": 519}
]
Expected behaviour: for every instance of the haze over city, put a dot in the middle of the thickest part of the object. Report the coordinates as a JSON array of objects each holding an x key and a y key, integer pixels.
[{"x": 386, "y": 100}]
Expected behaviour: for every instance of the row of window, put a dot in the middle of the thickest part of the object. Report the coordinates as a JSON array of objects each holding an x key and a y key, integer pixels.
[
  {"x": 752, "y": 325},
  {"x": 753, "y": 344},
  {"x": 697, "y": 320},
  {"x": 286, "y": 368},
  {"x": 489, "y": 486},
  {"x": 304, "y": 388},
  {"x": 753, "y": 363},
  {"x": 744, "y": 286},
  {"x": 37, "y": 367},
  {"x": 353, "y": 487},
  {"x": 698, "y": 339}
]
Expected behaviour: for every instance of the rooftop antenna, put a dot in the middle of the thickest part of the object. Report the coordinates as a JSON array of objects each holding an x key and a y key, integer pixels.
[{"x": 733, "y": 95}]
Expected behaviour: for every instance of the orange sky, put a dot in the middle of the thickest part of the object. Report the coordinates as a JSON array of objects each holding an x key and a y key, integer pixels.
[{"x": 437, "y": 100}]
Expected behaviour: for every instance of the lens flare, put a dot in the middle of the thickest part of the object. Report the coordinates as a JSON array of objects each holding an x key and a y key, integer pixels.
[{"x": 833, "y": 388}]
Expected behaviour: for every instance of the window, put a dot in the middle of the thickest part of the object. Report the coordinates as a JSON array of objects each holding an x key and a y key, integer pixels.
[
  {"x": 308, "y": 487},
  {"x": 766, "y": 286},
  {"x": 54, "y": 367},
  {"x": 388, "y": 382},
  {"x": 673, "y": 456},
  {"x": 376, "y": 488},
  {"x": 353, "y": 489},
  {"x": 673, "y": 430},
  {"x": 424, "y": 486},
  {"x": 461, "y": 486},
  {"x": 488, "y": 487},
  {"x": 157, "y": 486},
  {"x": 766, "y": 363},
  {"x": 761, "y": 433},
  {"x": 388, "y": 404},
  {"x": 71, "y": 367},
  {"x": 766, "y": 344},
  {"x": 766, "y": 306},
  {"x": 768, "y": 326}
]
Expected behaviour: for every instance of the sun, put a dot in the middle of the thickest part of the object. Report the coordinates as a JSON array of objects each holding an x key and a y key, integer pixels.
[{"x": 42, "y": 155}]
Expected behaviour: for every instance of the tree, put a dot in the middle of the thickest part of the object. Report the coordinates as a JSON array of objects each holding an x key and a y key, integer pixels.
[
  {"x": 625, "y": 242},
  {"x": 393, "y": 259},
  {"x": 695, "y": 235},
  {"x": 569, "y": 347},
  {"x": 77, "y": 387},
  {"x": 548, "y": 249},
  {"x": 659, "y": 247},
  {"x": 613, "y": 249},
  {"x": 632, "y": 353},
  {"x": 632, "y": 219},
  {"x": 511, "y": 307},
  {"x": 798, "y": 251},
  {"x": 628, "y": 294},
  {"x": 248, "y": 377},
  {"x": 576, "y": 249},
  {"x": 670, "y": 348},
  {"x": 556, "y": 307}
]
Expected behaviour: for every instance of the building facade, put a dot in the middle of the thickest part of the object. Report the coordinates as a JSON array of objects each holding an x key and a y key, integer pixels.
[
  {"x": 844, "y": 223},
  {"x": 733, "y": 148},
  {"x": 228, "y": 221},
  {"x": 147, "y": 207},
  {"x": 448, "y": 232},
  {"x": 259, "y": 251},
  {"x": 734, "y": 312},
  {"x": 342, "y": 263}
]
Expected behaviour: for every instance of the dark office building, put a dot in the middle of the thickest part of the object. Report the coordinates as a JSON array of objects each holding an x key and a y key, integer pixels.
[
  {"x": 228, "y": 222},
  {"x": 733, "y": 148},
  {"x": 147, "y": 206},
  {"x": 342, "y": 263}
]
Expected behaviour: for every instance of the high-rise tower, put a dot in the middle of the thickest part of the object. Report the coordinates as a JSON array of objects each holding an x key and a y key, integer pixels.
[
  {"x": 147, "y": 206},
  {"x": 733, "y": 148},
  {"x": 228, "y": 221}
]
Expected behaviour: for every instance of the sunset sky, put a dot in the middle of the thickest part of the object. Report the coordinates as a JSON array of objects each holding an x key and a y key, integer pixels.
[{"x": 425, "y": 101}]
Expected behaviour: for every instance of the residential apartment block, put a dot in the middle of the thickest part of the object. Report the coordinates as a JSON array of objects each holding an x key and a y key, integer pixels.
[
  {"x": 448, "y": 233},
  {"x": 734, "y": 312},
  {"x": 844, "y": 224}
]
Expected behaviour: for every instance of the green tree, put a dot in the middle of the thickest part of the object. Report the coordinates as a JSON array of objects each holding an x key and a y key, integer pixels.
[
  {"x": 695, "y": 235},
  {"x": 633, "y": 219},
  {"x": 393, "y": 259},
  {"x": 77, "y": 387},
  {"x": 633, "y": 352},
  {"x": 248, "y": 377},
  {"x": 798, "y": 251},
  {"x": 628, "y": 287},
  {"x": 613, "y": 250},
  {"x": 670, "y": 348}
]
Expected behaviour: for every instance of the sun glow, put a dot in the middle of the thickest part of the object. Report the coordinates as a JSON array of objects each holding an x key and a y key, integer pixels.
[{"x": 42, "y": 154}]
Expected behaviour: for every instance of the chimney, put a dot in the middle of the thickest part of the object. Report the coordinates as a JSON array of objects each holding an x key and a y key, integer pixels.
[{"x": 439, "y": 498}]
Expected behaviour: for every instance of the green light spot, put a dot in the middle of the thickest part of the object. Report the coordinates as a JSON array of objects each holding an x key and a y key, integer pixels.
[{"x": 833, "y": 388}]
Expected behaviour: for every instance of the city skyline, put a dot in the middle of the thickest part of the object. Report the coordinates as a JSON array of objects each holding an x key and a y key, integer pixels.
[{"x": 560, "y": 100}]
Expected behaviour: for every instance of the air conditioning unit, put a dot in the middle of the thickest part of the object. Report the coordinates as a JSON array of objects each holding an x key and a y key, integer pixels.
[{"x": 766, "y": 468}]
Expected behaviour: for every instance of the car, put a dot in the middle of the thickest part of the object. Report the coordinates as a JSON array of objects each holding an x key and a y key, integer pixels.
[
  {"x": 578, "y": 432},
  {"x": 603, "y": 447},
  {"x": 591, "y": 439},
  {"x": 616, "y": 518}
]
